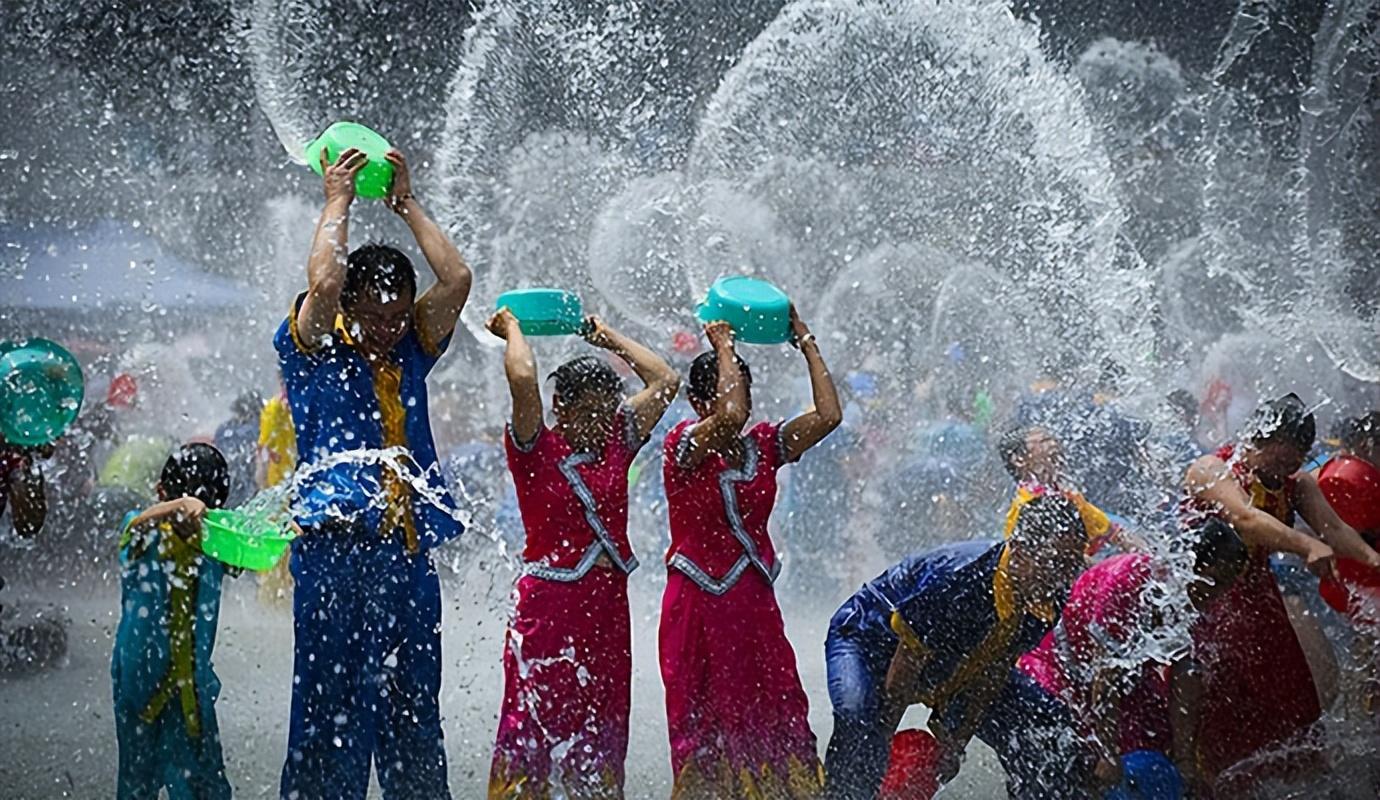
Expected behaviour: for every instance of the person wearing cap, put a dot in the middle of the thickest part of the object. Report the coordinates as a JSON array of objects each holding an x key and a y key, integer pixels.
[
  {"x": 567, "y": 652},
  {"x": 944, "y": 628},
  {"x": 1258, "y": 689},
  {"x": 354, "y": 353},
  {"x": 1109, "y": 658}
]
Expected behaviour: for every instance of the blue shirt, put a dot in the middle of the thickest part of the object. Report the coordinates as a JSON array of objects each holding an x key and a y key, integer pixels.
[
  {"x": 335, "y": 409},
  {"x": 143, "y": 641},
  {"x": 947, "y": 598}
]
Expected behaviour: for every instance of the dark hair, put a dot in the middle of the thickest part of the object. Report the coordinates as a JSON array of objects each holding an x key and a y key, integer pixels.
[
  {"x": 1286, "y": 419},
  {"x": 1048, "y": 518},
  {"x": 248, "y": 404},
  {"x": 377, "y": 270},
  {"x": 1012, "y": 447},
  {"x": 586, "y": 375},
  {"x": 704, "y": 377},
  {"x": 1215, "y": 544},
  {"x": 1360, "y": 430},
  {"x": 1183, "y": 401},
  {"x": 196, "y": 470}
]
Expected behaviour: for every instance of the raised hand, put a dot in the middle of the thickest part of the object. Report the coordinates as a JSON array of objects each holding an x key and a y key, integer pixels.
[
  {"x": 720, "y": 335},
  {"x": 598, "y": 333},
  {"x": 799, "y": 330},
  {"x": 400, "y": 190},
  {"x": 339, "y": 178},
  {"x": 502, "y": 324}
]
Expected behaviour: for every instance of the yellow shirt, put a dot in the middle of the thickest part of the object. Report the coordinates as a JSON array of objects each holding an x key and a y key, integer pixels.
[
  {"x": 278, "y": 439},
  {"x": 1094, "y": 519}
]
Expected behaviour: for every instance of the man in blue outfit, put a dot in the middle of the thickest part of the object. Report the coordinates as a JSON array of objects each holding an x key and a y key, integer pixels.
[
  {"x": 944, "y": 628},
  {"x": 355, "y": 353}
]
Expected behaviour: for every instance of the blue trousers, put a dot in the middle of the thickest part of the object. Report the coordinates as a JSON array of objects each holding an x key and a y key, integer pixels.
[
  {"x": 161, "y": 755},
  {"x": 1032, "y": 733},
  {"x": 366, "y": 670}
]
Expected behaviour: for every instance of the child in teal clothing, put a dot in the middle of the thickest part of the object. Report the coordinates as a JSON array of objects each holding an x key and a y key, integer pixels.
[{"x": 165, "y": 688}]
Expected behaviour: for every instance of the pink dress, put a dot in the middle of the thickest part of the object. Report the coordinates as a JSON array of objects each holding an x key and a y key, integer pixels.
[
  {"x": 1106, "y": 614},
  {"x": 567, "y": 656},
  {"x": 737, "y": 713}
]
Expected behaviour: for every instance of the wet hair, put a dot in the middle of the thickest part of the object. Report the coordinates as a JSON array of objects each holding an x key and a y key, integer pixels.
[
  {"x": 1012, "y": 447},
  {"x": 1286, "y": 420},
  {"x": 248, "y": 405},
  {"x": 1048, "y": 518},
  {"x": 196, "y": 470},
  {"x": 1359, "y": 431},
  {"x": 1183, "y": 401},
  {"x": 378, "y": 271},
  {"x": 1215, "y": 544},
  {"x": 586, "y": 375},
  {"x": 704, "y": 377}
]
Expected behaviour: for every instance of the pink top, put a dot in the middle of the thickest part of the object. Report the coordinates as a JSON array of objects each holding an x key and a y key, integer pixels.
[
  {"x": 719, "y": 514},
  {"x": 1106, "y": 608},
  {"x": 574, "y": 505}
]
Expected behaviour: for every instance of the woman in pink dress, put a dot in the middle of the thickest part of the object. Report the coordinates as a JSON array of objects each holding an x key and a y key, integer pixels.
[
  {"x": 1258, "y": 690},
  {"x": 734, "y": 703},
  {"x": 567, "y": 657}
]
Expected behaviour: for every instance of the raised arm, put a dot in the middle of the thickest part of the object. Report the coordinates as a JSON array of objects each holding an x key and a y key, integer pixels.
[
  {"x": 439, "y": 307},
  {"x": 660, "y": 382},
  {"x": 1313, "y": 506},
  {"x": 810, "y": 428},
  {"x": 329, "y": 248},
  {"x": 521, "y": 368},
  {"x": 730, "y": 412},
  {"x": 1210, "y": 480}
]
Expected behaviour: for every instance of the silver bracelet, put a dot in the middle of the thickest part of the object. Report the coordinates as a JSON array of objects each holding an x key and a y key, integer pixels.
[{"x": 804, "y": 340}]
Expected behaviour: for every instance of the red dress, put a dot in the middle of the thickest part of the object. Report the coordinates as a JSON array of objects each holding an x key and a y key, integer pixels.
[
  {"x": 567, "y": 656},
  {"x": 1259, "y": 689},
  {"x": 1106, "y": 614},
  {"x": 735, "y": 707}
]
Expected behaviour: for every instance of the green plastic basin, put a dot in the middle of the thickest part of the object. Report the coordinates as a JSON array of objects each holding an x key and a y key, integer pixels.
[
  {"x": 544, "y": 312},
  {"x": 41, "y": 390},
  {"x": 759, "y": 312},
  {"x": 240, "y": 540},
  {"x": 376, "y": 176}
]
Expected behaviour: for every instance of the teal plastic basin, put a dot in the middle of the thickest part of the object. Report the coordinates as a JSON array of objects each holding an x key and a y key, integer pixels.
[
  {"x": 41, "y": 389},
  {"x": 376, "y": 176},
  {"x": 544, "y": 312},
  {"x": 759, "y": 312}
]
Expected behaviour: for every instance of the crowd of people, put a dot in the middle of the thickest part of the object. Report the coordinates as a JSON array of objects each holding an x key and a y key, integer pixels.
[{"x": 1046, "y": 642}]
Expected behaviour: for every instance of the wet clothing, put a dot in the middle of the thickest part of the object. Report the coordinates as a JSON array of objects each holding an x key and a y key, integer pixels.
[
  {"x": 953, "y": 605},
  {"x": 1258, "y": 687},
  {"x": 567, "y": 655},
  {"x": 366, "y": 606},
  {"x": 366, "y": 668},
  {"x": 1105, "y": 624},
  {"x": 342, "y": 402},
  {"x": 164, "y": 684},
  {"x": 736, "y": 711},
  {"x": 237, "y": 440},
  {"x": 278, "y": 440},
  {"x": 1097, "y": 523}
]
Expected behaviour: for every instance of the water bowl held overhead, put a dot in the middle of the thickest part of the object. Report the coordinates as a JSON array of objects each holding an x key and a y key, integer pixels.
[
  {"x": 759, "y": 312},
  {"x": 41, "y": 390},
  {"x": 376, "y": 176},
  {"x": 544, "y": 312}
]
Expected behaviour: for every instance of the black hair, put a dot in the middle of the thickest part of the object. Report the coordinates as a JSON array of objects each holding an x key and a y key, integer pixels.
[
  {"x": 196, "y": 470},
  {"x": 248, "y": 405},
  {"x": 1183, "y": 401},
  {"x": 1360, "y": 430},
  {"x": 1286, "y": 419},
  {"x": 704, "y": 377},
  {"x": 379, "y": 271},
  {"x": 1012, "y": 447},
  {"x": 585, "y": 375},
  {"x": 1048, "y": 518},
  {"x": 1215, "y": 544}
]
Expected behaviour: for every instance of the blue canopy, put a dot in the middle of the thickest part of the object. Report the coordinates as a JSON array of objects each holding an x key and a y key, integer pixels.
[{"x": 107, "y": 266}]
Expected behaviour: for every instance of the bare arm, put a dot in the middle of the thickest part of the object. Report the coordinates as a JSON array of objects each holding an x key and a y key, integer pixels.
[
  {"x": 439, "y": 307},
  {"x": 810, "y": 428},
  {"x": 28, "y": 503},
  {"x": 329, "y": 248},
  {"x": 660, "y": 381},
  {"x": 1185, "y": 712},
  {"x": 1210, "y": 480},
  {"x": 185, "y": 514},
  {"x": 1319, "y": 514},
  {"x": 521, "y": 368},
  {"x": 730, "y": 408}
]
